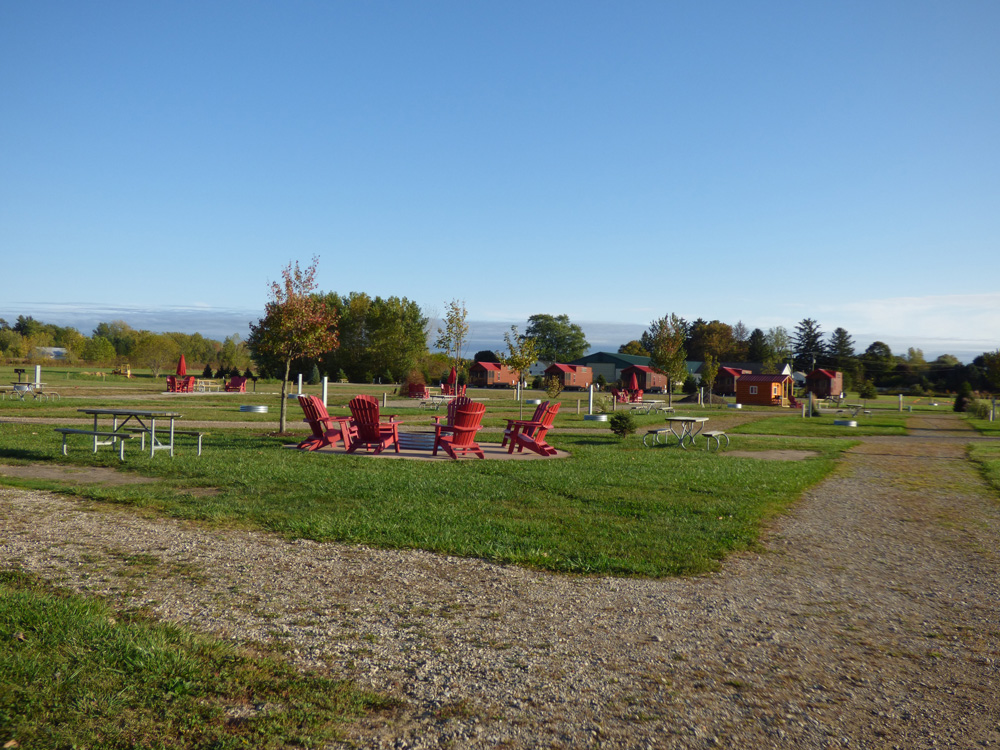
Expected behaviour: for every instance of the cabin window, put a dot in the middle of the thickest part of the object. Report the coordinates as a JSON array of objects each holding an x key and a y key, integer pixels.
[{"x": 753, "y": 390}]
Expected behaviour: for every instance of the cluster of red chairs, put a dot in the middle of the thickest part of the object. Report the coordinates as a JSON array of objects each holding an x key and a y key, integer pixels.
[
  {"x": 627, "y": 396},
  {"x": 454, "y": 433},
  {"x": 180, "y": 383}
]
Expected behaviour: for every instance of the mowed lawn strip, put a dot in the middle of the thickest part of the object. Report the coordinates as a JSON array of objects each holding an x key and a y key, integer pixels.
[
  {"x": 612, "y": 508},
  {"x": 75, "y": 673}
]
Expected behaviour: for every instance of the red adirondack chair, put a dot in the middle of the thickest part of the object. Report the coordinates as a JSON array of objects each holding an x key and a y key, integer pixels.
[
  {"x": 171, "y": 384},
  {"x": 371, "y": 431},
  {"x": 467, "y": 422},
  {"x": 514, "y": 425},
  {"x": 186, "y": 384},
  {"x": 418, "y": 390},
  {"x": 326, "y": 430},
  {"x": 453, "y": 405},
  {"x": 531, "y": 435},
  {"x": 237, "y": 384}
]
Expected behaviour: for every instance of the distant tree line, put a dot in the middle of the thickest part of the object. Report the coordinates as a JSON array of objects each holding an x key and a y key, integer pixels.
[
  {"x": 116, "y": 342},
  {"x": 808, "y": 347}
]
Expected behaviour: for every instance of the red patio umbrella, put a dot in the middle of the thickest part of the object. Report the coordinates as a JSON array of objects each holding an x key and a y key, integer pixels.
[
  {"x": 182, "y": 369},
  {"x": 633, "y": 382},
  {"x": 452, "y": 376}
]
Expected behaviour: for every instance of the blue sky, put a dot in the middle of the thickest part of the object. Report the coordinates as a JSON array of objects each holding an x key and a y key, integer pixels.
[{"x": 757, "y": 162}]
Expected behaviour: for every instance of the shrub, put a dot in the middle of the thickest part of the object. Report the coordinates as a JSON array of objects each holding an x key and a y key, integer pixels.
[
  {"x": 248, "y": 373},
  {"x": 690, "y": 384},
  {"x": 314, "y": 377},
  {"x": 867, "y": 390},
  {"x": 553, "y": 386},
  {"x": 207, "y": 372},
  {"x": 622, "y": 423},
  {"x": 601, "y": 381}
]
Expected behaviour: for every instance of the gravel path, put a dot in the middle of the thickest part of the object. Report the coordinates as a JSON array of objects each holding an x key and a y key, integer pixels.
[{"x": 869, "y": 620}]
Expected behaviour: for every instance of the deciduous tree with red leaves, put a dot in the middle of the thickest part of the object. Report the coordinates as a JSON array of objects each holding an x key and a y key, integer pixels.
[{"x": 296, "y": 323}]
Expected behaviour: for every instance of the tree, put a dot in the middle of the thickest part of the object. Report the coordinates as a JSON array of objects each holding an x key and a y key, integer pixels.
[
  {"x": 376, "y": 336},
  {"x": 296, "y": 323},
  {"x": 634, "y": 348},
  {"x": 155, "y": 351},
  {"x": 808, "y": 346},
  {"x": 521, "y": 354},
  {"x": 878, "y": 361},
  {"x": 486, "y": 355},
  {"x": 234, "y": 354},
  {"x": 665, "y": 338},
  {"x": 714, "y": 338},
  {"x": 991, "y": 361},
  {"x": 758, "y": 350},
  {"x": 557, "y": 339},
  {"x": 841, "y": 350},
  {"x": 709, "y": 371},
  {"x": 121, "y": 335},
  {"x": 780, "y": 348},
  {"x": 98, "y": 350},
  {"x": 451, "y": 338}
]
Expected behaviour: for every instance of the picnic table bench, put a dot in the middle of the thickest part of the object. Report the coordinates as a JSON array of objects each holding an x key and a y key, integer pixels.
[
  {"x": 142, "y": 432},
  {"x": 112, "y": 436},
  {"x": 715, "y": 435}
]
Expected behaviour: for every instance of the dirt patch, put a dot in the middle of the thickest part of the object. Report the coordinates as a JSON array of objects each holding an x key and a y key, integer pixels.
[
  {"x": 774, "y": 455},
  {"x": 75, "y": 474}
]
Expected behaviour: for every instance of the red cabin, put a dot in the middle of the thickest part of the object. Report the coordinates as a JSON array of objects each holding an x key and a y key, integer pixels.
[
  {"x": 825, "y": 383},
  {"x": 764, "y": 390},
  {"x": 646, "y": 379},
  {"x": 491, "y": 375},
  {"x": 571, "y": 376}
]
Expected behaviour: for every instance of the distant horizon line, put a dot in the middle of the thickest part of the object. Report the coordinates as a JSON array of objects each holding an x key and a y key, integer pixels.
[{"x": 487, "y": 334}]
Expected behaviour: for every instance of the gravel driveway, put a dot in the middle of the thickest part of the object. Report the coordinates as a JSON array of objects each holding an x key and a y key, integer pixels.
[{"x": 868, "y": 620}]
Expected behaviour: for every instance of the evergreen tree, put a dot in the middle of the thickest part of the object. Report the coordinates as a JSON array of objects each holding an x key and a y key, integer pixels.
[
  {"x": 758, "y": 350},
  {"x": 807, "y": 345},
  {"x": 841, "y": 350}
]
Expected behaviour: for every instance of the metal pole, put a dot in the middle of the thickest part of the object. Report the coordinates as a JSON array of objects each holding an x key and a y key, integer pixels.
[
  {"x": 300, "y": 384},
  {"x": 325, "y": 386},
  {"x": 590, "y": 400}
]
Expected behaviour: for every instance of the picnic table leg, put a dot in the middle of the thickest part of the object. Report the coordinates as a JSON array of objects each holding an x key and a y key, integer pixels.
[{"x": 172, "y": 438}]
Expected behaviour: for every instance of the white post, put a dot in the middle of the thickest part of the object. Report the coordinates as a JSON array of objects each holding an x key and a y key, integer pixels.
[
  {"x": 38, "y": 375},
  {"x": 300, "y": 383},
  {"x": 901, "y": 402},
  {"x": 384, "y": 397},
  {"x": 590, "y": 400},
  {"x": 325, "y": 386}
]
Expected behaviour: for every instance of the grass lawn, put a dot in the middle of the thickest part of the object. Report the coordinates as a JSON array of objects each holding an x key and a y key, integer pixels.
[
  {"x": 75, "y": 674},
  {"x": 612, "y": 508},
  {"x": 878, "y": 423}
]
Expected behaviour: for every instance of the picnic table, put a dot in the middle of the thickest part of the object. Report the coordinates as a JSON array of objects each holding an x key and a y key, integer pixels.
[
  {"x": 143, "y": 422},
  {"x": 208, "y": 385},
  {"x": 648, "y": 407},
  {"x": 35, "y": 390},
  {"x": 690, "y": 427},
  {"x": 435, "y": 400}
]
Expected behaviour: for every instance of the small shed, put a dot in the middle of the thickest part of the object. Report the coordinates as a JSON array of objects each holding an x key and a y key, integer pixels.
[
  {"x": 725, "y": 380},
  {"x": 764, "y": 390},
  {"x": 570, "y": 376},
  {"x": 825, "y": 383},
  {"x": 647, "y": 379},
  {"x": 491, "y": 375}
]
